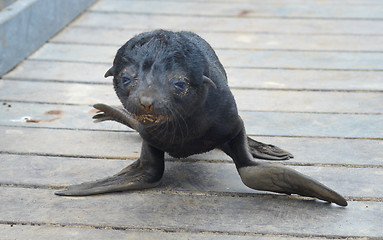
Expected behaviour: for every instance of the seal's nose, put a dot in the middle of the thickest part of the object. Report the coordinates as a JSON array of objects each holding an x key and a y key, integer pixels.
[{"x": 146, "y": 103}]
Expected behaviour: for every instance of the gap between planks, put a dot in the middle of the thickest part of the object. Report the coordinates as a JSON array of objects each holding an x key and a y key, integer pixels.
[{"x": 195, "y": 232}]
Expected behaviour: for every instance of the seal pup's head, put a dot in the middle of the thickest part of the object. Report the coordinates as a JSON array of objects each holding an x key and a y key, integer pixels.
[{"x": 160, "y": 77}]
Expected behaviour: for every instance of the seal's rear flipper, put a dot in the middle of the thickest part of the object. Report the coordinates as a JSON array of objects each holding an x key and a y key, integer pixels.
[
  {"x": 267, "y": 151},
  {"x": 130, "y": 178},
  {"x": 146, "y": 172},
  {"x": 271, "y": 177},
  {"x": 275, "y": 178},
  {"x": 118, "y": 114}
]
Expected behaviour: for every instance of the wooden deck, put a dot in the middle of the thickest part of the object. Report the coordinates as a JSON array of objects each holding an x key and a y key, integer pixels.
[{"x": 307, "y": 76}]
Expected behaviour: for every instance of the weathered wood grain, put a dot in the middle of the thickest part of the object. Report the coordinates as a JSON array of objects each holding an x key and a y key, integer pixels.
[
  {"x": 305, "y": 79},
  {"x": 324, "y": 125},
  {"x": 198, "y": 212},
  {"x": 358, "y": 2},
  {"x": 61, "y": 72},
  {"x": 53, "y": 116},
  {"x": 230, "y": 58},
  {"x": 76, "y": 53},
  {"x": 261, "y": 100},
  {"x": 179, "y": 176},
  {"x": 260, "y": 123},
  {"x": 200, "y": 23},
  {"x": 238, "y": 77},
  {"x": 66, "y": 93},
  {"x": 274, "y": 9},
  {"x": 48, "y": 232},
  {"x": 302, "y": 60},
  {"x": 339, "y": 102},
  {"x": 125, "y": 145},
  {"x": 116, "y": 36}
]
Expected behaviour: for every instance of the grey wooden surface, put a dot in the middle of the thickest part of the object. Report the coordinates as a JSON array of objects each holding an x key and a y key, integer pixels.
[{"x": 307, "y": 76}]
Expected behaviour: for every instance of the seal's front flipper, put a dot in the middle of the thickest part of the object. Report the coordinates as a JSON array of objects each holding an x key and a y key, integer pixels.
[
  {"x": 118, "y": 114},
  {"x": 146, "y": 172},
  {"x": 267, "y": 151},
  {"x": 275, "y": 178},
  {"x": 132, "y": 177}
]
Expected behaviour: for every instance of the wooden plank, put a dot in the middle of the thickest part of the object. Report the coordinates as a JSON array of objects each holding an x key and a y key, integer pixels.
[
  {"x": 305, "y": 79},
  {"x": 358, "y": 2},
  {"x": 200, "y": 23},
  {"x": 78, "y": 53},
  {"x": 339, "y": 102},
  {"x": 238, "y": 77},
  {"x": 47, "y": 232},
  {"x": 114, "y": 36},
  {"x": 231, "y": 58},
  {"x": 39, "y": 141},
  {"x": 261, "y": 123},
  {"x": 302, "y": 60},
  {"x": 330, "y": 151},
  {"x": 179, "y": 176},
  {"x": 324, "y": 125},
  {"x": 53, "y": 116},
  {"x": 125, "y": 145},
  {"x": 61, "y": 72},
  {"x": 261, "y": 100},
  {"x": 263, "y": 215},
  {"x": 262, "y": 9},
  {"x": 66, "y": 93}
]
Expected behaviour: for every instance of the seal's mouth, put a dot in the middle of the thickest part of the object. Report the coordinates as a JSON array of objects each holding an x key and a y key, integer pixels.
[{"x": 149, "y": 118}]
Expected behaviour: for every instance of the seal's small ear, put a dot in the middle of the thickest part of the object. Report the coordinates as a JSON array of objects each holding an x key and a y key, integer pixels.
[
  {"x": 110, "y": 72},
  {"x": 207, "y": 80}
]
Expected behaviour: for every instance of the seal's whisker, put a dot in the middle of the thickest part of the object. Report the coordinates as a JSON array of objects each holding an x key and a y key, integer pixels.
[{"x": 181, "y": 122}]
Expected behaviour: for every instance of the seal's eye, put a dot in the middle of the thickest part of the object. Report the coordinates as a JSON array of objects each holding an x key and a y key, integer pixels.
[
  {"x": 179, "y": 84},
  {"x": 127, "y": 80}
]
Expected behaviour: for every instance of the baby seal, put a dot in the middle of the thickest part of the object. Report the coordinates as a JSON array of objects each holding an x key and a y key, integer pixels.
[{"x": 174, "y": 93}]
